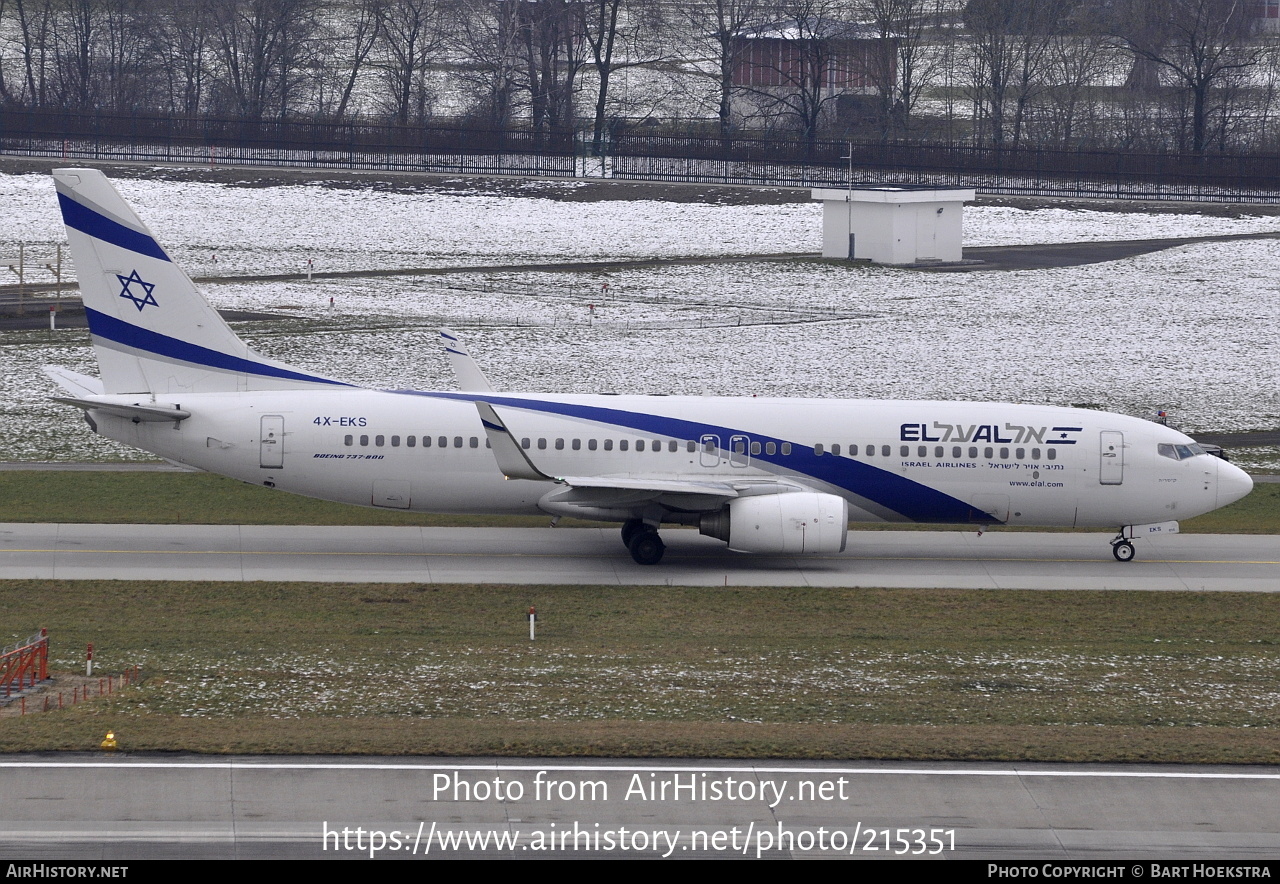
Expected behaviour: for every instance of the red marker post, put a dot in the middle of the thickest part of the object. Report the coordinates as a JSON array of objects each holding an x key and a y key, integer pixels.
[
  {"x": 533, "y": 619},
  {"x": 88, "y": 661}
]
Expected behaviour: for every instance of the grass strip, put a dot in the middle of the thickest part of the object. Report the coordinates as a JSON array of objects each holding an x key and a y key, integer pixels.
[{"x": 684, "y": 672}]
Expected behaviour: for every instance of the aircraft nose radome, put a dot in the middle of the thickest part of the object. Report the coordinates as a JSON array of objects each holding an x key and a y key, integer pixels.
[{"x": 1233, "y": 483}]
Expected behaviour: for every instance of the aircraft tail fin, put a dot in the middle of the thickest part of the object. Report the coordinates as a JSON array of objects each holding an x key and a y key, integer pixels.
[{"x": 153, "y": 331}]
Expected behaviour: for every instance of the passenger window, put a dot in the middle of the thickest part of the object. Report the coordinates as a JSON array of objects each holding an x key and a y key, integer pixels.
[
  {"x": 853, "y": 450},
  {"x": 379, "y": 441},
  {"x": 395, "y": 441},
  {"x": 657, "y": 444},
  {"x": 474, "y": 442},
  {"x": 411, "y": 441},
  {"x": 559, "y": 445},
  {"x": 1035, "y": 453},
  {"x": 348, "y": 441},
  {"x": 426, "y": 441},
  {"x": 577, "y": 445},
  {"x": 542, "y": 444},
  {"x": 739, "y": 447},
  {"x": 622, "y": 444},
  {"x": 871, "y": 451},
  {"x": 525, "y": 443},
  {"x": 364, "y": 441},
  {"x": 904, "y": 451},
  {"x": 1004, "y": 453},
  {"x": 817, "y": 448},
  {"x": 786, "y": 447},
  {"x": 673, "y": 446},
  {"x": 988, "y": 452},
  {"x": 457, "y": 441},
  {"x": 1020, "y": 453},
  {"x": 442, "y": 441},
  {"x": 755, "y": 447},
  {"x": 771, "y": 448},
  {"x": 885, "y": 450},
  {"x": 939, "y": 451},
  {"x": 1051, "y": 453},
  {"x": 922, "y": 451},
  {"x": 956, "y": 451},
  {"x": 591, "y": 445},
  {"x": 973, "y": 452},
  {"x": 835, "y": 449},
  {"x": 639, "y": 445},
  {"x": 608, "y": 445}
]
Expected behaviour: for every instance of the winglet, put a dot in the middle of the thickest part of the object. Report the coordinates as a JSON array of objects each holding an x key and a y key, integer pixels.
[
  {"x": 470, "y": 378},
  {"x": 512, "y": 460}
]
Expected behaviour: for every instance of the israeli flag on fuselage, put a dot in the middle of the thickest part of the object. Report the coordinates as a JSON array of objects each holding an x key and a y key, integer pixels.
[{"x": 153, "y": 332}]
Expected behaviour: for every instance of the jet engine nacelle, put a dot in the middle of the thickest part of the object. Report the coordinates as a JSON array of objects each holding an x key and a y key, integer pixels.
[{"x": 792, "y": 523}]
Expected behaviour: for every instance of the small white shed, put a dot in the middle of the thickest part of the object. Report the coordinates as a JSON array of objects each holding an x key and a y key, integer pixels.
[{"x": 892, "y": 224}]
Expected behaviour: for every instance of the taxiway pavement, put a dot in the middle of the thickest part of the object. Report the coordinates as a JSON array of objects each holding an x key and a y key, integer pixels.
[
  {"x": 943, "y": 559},
  {"x": 114, "y": 808}
]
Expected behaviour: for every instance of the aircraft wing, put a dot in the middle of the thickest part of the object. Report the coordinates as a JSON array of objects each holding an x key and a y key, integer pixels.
[{"x": 632, "y": 491}]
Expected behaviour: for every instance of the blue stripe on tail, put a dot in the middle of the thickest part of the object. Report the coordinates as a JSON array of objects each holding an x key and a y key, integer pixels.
[
  {"x": 99, "y": 226},
  {"x": 109, "y": 328}
]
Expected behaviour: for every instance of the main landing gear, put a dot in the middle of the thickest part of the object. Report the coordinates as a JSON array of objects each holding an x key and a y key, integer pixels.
[
  {"x": 643, "y": 542},
  {"x": 1122, "y": 549}
]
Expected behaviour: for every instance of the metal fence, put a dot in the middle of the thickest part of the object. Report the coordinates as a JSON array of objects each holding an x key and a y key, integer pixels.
[
  {"x": 24, "y": 665},
  {"x": 641, "y": 156}
]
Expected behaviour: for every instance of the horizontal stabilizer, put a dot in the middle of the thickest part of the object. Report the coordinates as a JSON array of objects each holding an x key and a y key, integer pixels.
[
  {"x": 135, "y": 413},
  {"x": 73, "y": 382}
]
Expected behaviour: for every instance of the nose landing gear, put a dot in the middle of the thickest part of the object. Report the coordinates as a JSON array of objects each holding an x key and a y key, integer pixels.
[{"x": 1123, "y": 550}]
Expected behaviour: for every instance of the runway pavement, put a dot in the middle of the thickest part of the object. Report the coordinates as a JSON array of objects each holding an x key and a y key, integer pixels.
[
  {"x": 945, "y": 559},
  {"x": 107, "y": 809}
]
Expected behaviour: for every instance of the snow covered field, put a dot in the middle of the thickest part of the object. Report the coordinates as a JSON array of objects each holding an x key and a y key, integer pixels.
[{"x": 1192, "y": 330}]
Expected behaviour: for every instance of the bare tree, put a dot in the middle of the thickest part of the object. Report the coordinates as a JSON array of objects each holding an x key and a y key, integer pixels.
[
  {"x": 259, "y": 46},
  {"x": 800, "y": 63},
  {"x": 716, "y": 29},
  {"x": 32, "y": 36},
  {"x": 412, "y": 32},
  {"x": 899, "y": 67},
  {"x": 551, "y": 38},
  {"x": 1009, "y": 62},
  {"x": 180, "y": 40},
  {"x": 618, "y": 36},
  {"x": 1201, "y": 44},
  {"x": 1081, "y": 61},
  {"x": 352, "y": 32},
  {"x": 75, "y": 29},
  {"x": 486, "y": 37}
]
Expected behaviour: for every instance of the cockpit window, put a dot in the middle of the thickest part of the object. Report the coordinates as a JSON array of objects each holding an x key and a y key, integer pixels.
[{"x": 1181, "y": 452}]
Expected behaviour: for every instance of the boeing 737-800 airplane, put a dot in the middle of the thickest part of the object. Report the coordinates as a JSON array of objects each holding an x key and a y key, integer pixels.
[{"x": 780, "y": 476}]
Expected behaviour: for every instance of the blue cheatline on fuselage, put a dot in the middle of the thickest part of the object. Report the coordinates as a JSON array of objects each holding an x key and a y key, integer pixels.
[
  {"x": 99, "y": 226},
  {"x": 909, "y": 498},
  {"x": 108, "y": 328}
]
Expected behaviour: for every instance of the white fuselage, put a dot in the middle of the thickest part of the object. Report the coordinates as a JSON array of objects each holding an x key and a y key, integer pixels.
[{"x": 895, "y": 461}]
